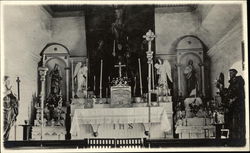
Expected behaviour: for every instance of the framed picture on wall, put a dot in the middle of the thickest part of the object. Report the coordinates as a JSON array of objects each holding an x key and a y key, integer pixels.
[{"x": 79, "y": 75}]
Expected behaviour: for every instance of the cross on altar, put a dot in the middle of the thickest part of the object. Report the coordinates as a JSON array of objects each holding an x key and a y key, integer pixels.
[
  {"x": 120, "y": 68},
  {"x": 149, "y": 37}
]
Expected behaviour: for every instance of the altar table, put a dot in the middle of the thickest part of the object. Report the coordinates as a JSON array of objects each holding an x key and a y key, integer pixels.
[{"x": 119, "y": 122}]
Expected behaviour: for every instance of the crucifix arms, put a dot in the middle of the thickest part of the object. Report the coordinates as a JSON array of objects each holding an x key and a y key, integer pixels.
[{"x": 120, "y": 68}]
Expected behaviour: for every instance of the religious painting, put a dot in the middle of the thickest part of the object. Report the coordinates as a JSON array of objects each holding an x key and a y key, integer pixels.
[{"x": 79, "y": 76}]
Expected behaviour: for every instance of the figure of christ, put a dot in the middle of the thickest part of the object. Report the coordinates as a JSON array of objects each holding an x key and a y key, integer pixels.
[{"x": 191, "y": 80}]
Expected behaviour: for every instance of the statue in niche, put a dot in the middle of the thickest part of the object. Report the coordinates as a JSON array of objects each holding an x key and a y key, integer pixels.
[
  {"x": 53, "y": 106},
  {"x": 191, "y": 80},
  {"x": 164, "y": 71},
  {"x": 10, "y": 104},
  {"x": 80, "y": 78},
  {"x": 56, "y": 78},
  {"x": 54, "y": 100}
]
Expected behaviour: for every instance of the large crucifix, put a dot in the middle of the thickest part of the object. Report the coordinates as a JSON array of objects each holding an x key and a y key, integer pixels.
[{"x": 120, "y": 68}]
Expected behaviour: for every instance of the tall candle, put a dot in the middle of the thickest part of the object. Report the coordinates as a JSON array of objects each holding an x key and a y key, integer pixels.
[
  {"x": 135, "y": 85},
  {"x": 153, "y": 78},
  {"x": 101, "y": 79},
  {"x": 28, "y": 112},
  {"x": 87, "y": 64},
  {"x": 113, "y": 49},
  {"x": 94, "y": 83},
  {"x": 139, "y": 62}
]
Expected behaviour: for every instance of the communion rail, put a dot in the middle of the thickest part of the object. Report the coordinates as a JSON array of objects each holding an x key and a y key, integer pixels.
[
  {"x": 123, "y": 143},
  {"x": 115, "y": 143}
]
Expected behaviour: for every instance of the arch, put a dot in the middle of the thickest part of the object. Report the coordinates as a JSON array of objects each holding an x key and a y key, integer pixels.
[
  {"x": 174, "y": 45},
  {"x": 189, "y": 42},
  {"x": 53, "y": 48},
  {"x": 195, "y": 55},
  {"x": 58, "y": 58}
]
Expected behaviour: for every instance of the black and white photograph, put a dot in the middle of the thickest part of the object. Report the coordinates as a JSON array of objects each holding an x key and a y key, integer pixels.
[{"x": 130, "y": 76}]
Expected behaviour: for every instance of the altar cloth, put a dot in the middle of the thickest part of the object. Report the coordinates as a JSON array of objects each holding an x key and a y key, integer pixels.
[{"x": 97, "y": 116}]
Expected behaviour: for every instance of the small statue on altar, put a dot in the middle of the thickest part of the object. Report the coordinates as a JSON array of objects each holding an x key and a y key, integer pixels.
[
  {"x": 191, "y": 79},
  {"x": 56, "y": 78},
  {"x": 80, "y": 78},
  {"x": 10, "y": 105},
  {"x": 164, "y": 71}
]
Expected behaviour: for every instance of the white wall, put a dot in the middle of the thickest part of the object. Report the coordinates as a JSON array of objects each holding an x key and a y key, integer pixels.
[
  {"x": 27, "y": 29},
  {"x": 218, "y": 26},
  {"x": 171, "y": 26},
  {"x": 70, "y": 31},
  {"x": 225, "y": 54}
]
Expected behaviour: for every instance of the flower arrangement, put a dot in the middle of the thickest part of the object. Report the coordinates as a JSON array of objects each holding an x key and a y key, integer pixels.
[
  {"x": 120, "y": 81},
  {"x": 195, "y": 106}
]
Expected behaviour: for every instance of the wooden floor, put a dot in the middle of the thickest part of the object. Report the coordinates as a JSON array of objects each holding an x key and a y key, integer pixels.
[{"x": 145, "y": 143}]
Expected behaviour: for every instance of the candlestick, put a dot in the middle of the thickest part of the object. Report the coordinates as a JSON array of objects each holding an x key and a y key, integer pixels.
[
  {"x": 153, "y": 78},
  {"x": 113, "y": 49},
  {"x": 94, "y": 83},
  {"x": 28, "y": 113},
  {"x": 101, "y": 79},
  {"x": 87, "y": 64},
  {"x": 134, "y": 85},
  {"x": 139, "y": 62}
]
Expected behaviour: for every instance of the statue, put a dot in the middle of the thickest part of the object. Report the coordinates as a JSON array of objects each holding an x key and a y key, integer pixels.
[
  {"x": 10, "y": 104},
  {"x": 80, "y": 77},
  {"x": 164, "y": 72},
  {"x": 53, "y": 106},
  {"x": 56, "y": 78},
  {"x": 118, "y": 26},
  {"x": 236, "y": 114},
  {"x": 191, "y": 80}
]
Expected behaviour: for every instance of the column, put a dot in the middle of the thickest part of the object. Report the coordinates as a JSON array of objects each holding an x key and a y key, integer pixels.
[
  {"x": 42, "y": 73},
  {"x": 203, "y": 79},
  {"x": 179, "y": 78}
]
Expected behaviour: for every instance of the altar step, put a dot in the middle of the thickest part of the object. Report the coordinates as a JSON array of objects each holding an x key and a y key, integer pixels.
[{"x": 147, "y": 143}]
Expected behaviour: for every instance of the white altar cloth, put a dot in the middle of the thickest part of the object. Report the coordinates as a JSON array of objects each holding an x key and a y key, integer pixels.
[{"x": 97, "y": 116}]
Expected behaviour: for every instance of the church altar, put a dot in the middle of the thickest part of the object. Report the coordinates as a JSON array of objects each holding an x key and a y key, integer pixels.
[{"x": 130, "y": 122}]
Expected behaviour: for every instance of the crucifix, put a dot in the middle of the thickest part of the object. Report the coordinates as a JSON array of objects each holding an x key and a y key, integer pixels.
[{"x": 120, "y": 68}]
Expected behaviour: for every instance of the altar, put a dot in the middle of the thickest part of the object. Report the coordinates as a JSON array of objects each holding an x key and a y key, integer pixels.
[{"x": 131, "y": 122}]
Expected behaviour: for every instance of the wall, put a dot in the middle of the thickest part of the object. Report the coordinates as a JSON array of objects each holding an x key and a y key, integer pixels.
[
  {"x": 221, "y": 31},
  {"x": 218, "y": 26},
  {"x": 27, "y": 30},
  {"x": 70, "y": 31},
  {"x": 171, "y": 26},
  {"x": 225, "y": 54}
]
